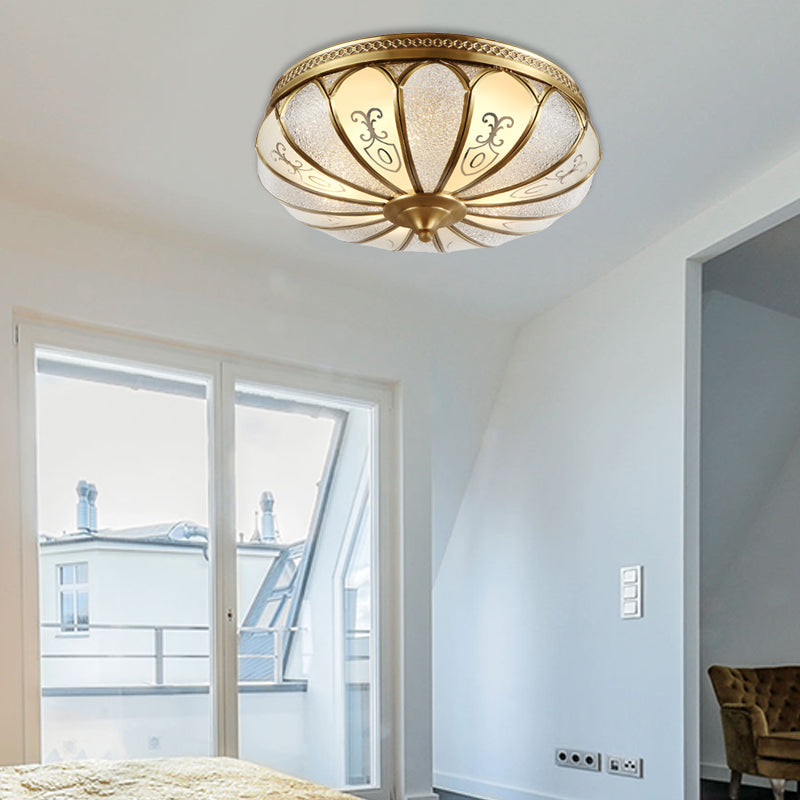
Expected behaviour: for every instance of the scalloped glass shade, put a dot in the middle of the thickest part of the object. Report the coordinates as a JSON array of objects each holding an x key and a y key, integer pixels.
[{"x": 501, "y": 136}]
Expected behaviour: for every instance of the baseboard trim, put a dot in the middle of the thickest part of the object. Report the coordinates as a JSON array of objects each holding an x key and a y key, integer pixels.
[
  {"x": 460, "y": 784},
  {"x": 422, "y": 797},
  {"x": 718, "y": 772}
]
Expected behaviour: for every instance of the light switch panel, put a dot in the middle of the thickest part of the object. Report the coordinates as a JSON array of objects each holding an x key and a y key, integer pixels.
[{"x": 630, "y": 592}]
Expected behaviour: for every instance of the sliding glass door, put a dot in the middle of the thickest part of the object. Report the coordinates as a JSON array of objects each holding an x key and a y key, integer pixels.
[{"x": 207, "y": 543}]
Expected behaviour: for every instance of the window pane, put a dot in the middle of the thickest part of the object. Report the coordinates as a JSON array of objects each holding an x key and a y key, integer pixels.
[
  {"x": 123, "y": 494},
  {"x": 83, "y": 610},
  {"x": 299, "y": 465},
  {"x": 281, "y": 453},
  {"x": 67, "y": 611},
  {"x": 282, "y": 615},
  {"x": 285, "y": 578},
  {"x": 357, "y": 649},
  {"x": 358, "y": 739}
]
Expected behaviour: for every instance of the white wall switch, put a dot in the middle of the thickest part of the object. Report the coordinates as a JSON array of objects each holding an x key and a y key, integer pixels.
[{"x": 630, "y": 592}]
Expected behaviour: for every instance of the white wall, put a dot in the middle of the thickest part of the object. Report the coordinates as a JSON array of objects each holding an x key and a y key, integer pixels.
[
  {"x": 585, "y": 467},
  {"x": 61, "y": 266},
  {"x": 750, "y": 497},
  {"x": 580, "y": 474}
]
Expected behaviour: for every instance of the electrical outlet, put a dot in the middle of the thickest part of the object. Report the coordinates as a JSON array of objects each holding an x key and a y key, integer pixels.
[
  {"x": 629, "y": 767},
  {"x": 578, "y": 759}
]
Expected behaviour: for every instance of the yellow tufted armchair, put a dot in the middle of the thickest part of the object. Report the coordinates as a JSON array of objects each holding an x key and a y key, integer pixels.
[{"x": 760, "y": 710}]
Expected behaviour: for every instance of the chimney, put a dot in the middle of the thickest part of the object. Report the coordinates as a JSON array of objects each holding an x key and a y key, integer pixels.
[
  {"x": 92, "y": 497},
  {"x": 83, "y": 506},
  {"x": 267, "y": 503}
]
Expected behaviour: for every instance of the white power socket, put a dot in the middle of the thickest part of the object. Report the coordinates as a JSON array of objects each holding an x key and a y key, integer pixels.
[
  {"x": 578, "y": 759},
  {"x": 629, "y": 767}
]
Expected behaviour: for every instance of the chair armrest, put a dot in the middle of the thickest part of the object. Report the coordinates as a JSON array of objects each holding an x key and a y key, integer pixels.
[{"x": 742, "y": 725}]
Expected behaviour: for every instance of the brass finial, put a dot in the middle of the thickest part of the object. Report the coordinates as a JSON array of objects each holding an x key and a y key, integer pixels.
[{"x": 424, "y": 213}]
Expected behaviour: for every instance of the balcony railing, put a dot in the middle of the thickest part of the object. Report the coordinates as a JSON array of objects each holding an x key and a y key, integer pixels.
[{"x": 257, "y": 646}]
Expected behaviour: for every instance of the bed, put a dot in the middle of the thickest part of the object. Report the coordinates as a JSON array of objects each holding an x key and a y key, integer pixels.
[{"x": 159, "y": 779}]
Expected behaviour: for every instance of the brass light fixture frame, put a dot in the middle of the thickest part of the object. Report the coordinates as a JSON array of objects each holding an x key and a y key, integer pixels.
[
  {"x": 427, "y": 47},
  {"x": 419, "y": 212}
]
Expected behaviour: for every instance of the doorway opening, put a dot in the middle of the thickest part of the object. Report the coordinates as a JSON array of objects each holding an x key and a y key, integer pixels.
[{"x": 749, "y": 480}]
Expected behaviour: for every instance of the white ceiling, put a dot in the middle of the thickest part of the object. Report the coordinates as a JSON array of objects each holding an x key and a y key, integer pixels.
[{"x": 143, "y": 113}]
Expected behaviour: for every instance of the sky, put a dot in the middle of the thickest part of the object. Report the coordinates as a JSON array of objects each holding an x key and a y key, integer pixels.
[{"x": 147, "y": 453}]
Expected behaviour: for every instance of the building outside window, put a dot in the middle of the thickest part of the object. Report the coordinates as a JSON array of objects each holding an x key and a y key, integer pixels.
[{"x": 73, "y": 597}]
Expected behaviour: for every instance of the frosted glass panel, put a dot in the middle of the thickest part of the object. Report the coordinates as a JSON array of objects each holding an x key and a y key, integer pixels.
[
  {"x": 276, "y": 152},
  {"x": 538, "y": 87},
  {"x": 433, "y": 100},
  {"x": 451, "y": 242},
  {"x": 417, "y": 246},
  {"x": 502, "y": 108},
  {"x": 365, "y": 107},
  {"x": 487, "y": 238},
  {"x": 556, "y": 129},
  {"x": 471, "y": 71},
  {"x": 332, "y": 220},
  {"x": 511, "y": 225},
  {"x": 359, "y": 234},
  {"x": 330, "y": 79},
  {"x": 391, "y": 240},
  {"x": 397, "y": 68},
  {"x": 296, "y": 196},
  {"x": 307, "y": 120},
  {"x": 544, "y": 208},
  {"x": 576, "y": 167}
]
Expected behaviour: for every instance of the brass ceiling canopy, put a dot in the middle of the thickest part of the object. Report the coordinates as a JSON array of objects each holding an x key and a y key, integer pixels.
[{"x": 427, "y": 142}]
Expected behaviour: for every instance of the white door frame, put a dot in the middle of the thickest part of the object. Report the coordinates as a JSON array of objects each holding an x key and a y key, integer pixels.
[
  {"x": 691, "y": 506},
  {"x": 30, "y": 336},
  {"x": 329, "y": 389}
]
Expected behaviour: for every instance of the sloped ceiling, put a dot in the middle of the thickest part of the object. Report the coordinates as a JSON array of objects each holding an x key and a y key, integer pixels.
[
  {"x": 750, "y": 391},
  {"x": 750, "y": 419},
  {"x": 764, "y": 270},
  {"x": 142, "y": 114}
]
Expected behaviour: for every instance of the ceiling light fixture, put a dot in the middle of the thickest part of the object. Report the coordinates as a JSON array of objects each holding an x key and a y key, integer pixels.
[{"x": 427, "y": 142}]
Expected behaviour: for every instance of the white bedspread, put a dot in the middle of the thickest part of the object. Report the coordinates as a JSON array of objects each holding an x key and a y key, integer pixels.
[{"x": 159, "y": 779}]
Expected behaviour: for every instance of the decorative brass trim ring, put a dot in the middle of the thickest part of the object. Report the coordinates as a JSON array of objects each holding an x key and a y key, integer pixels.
[{"x": 426, "y": 46}]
